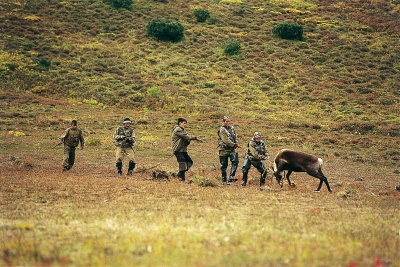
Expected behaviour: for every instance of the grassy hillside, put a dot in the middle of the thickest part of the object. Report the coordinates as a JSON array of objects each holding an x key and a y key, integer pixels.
[
  {"x": 334, "y": 94},
  {"x": 340, "y": 82},
  {"x": 348, "y": 62}
]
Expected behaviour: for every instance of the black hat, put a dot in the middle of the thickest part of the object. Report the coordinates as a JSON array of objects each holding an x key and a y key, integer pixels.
[
  {"x": 181, "y": 120},
  {"x": 127, "y": 120}
]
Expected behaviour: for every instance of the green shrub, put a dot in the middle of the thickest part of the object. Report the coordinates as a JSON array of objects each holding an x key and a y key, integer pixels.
[
  {"x": 231, "y": 47},
  {"x": 201, "y": 14},
  {"x": 290, "y": 31},
  {"x": 165, "y": 30},
  {"x": 127, "y": 4},
  {"x": 43, "y": 63},
  {"x": 153, "y": 92}
]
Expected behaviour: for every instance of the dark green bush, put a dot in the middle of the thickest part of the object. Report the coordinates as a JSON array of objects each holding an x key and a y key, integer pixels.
[
  {"x": 127, "y": 4},
  {"x": 43, "y": 63},
  {"x": 231, "y": 47},
  {"x": 290, "y": 31},
  {"x": 201, "y": 14},
  {"x": 165, "y": 30}
]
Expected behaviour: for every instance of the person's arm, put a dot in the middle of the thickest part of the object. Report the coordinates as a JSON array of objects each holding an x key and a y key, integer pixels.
[
  {"x": 184, "y": 135},
  {"x": 133, "y": 137},
  {"x": 224, "y": 137},
  {"x": 64, "y": 136},
  {"x": 117, "y": 136},
  {"x": 81, "y": 139}
]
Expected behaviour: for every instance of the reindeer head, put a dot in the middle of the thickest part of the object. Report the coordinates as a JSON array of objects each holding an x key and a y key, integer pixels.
[{"x": 277, "y": 175}]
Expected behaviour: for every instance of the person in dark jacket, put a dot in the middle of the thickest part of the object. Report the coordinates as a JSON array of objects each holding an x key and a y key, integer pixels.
[
  {"x": 71, "y": 139},
  {"x": 180, "y": 142}
]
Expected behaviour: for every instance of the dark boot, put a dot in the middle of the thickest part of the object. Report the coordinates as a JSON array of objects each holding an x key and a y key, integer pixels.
[
  {"x": 244, "y": 180},
  {"x": 263, "y": 176},
  {"x": 181, "y": 176},
  {"x": 262, "y": 180},
  {"x": 119, "y": 167},
  {"x": 232, "y": 174},
  {"x": 131, "y": 167}
]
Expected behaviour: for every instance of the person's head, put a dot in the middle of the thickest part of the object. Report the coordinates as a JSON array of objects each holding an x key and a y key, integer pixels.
[
  {"x": 74, "y": 123},
  {"x": 226, "y": 120},
  {"x": 257, "y": 136},
  {"x": 182, "y": 122},
  {"x": 127, "y": 122}
]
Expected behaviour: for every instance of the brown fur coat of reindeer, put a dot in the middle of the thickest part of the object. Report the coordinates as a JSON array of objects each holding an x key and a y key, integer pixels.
[{"x": 296, "y": 161}]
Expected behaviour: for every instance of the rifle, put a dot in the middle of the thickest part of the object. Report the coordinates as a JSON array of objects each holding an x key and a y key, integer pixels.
[
  {"x": 199, "y": 140},
  {"x": 60, "y": 143}
]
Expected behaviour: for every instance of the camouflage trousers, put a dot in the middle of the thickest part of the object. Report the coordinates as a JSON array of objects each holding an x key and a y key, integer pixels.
[
  {"x": 69, "y": 156},
  {"x": 121, "y": 152}
]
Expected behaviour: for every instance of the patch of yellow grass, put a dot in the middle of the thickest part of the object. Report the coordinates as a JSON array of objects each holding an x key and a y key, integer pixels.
[
  {"x": 232, "y": 1},
  {"x": 32, "y": 17},
  {"x": 16, "y": 133}
]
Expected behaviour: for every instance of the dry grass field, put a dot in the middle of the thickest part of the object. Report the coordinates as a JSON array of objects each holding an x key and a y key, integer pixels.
[{"x": 91, "y": 217}]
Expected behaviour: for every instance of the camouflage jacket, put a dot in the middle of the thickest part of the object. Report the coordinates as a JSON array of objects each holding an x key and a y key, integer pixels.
[
  {"x": 256, "y": 150},
  {"x": 181, "y": 139},
  {"x": 227, "y": 138},
  {"x": 124, "y": 137},
  {"x": 72, "y": 137}
]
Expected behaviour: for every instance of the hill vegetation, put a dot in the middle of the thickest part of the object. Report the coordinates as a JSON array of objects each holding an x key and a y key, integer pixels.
[
  {"x": 341, "y": 78},
  {"x": 334, "y": 93}
]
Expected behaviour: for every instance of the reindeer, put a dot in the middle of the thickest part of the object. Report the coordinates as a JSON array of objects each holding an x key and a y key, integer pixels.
[{"x": 295, "y": 161}]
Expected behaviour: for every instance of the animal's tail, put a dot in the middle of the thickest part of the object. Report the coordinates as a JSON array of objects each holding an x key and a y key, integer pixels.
[{"x": 320, "y": 162}]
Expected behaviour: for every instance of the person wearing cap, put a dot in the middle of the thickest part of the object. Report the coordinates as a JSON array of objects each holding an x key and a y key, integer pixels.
[
  {"x": 71, "y": 139},
  {"x": 227, "y": 143},
  {"x": 124, "y": 137},
  {"x": 180, "y": 142},
  {"x": 255, "y": 154}
]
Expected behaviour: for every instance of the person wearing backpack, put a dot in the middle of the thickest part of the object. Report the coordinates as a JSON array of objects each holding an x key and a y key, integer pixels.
[
  {"x": 71, "y": 139},
  {"x": 227, "y": 144},
  {"x": 255, "y": 154}
]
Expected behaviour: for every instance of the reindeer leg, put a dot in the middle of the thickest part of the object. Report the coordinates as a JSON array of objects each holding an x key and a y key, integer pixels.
[
  {"x": 281, "y": 180},
  {"x": 325, "y": 180},
  {"x": 278, "y": 175},
  {"x": 319, "y": 186},
  {"x": 318, "y": 175},
  {"x": 322, "y": 179},
  {"x": 287, "y": 177}
]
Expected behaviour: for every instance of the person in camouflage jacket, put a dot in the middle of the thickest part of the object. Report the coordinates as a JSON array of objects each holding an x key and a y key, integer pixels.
[
  {"x": 71, "y": 139},
  {"x": 227, "y": 143},
  {"x": 255, "y": 154},
  {"x": 180, "y": 142},
  {"x": 125, "y": 137}
]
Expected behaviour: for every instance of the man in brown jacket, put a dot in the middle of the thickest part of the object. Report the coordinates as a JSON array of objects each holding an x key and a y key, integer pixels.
[
  {"x": 71, "y": 139},
  {"x": 180, "y": 141}
]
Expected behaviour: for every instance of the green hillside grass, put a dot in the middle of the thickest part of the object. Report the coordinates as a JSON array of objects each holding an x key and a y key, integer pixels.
[
  {"x": 342, "y": 79},
  {"x": 347, "y": 63},
  {"x": 334, "y": 94}
]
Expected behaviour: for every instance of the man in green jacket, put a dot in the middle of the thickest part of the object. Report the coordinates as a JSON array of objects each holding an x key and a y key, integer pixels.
[
  {"x": 180, "y": 141},
  {"x": 227, "y": 143},
  {"x": 71, "y": 139}
]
